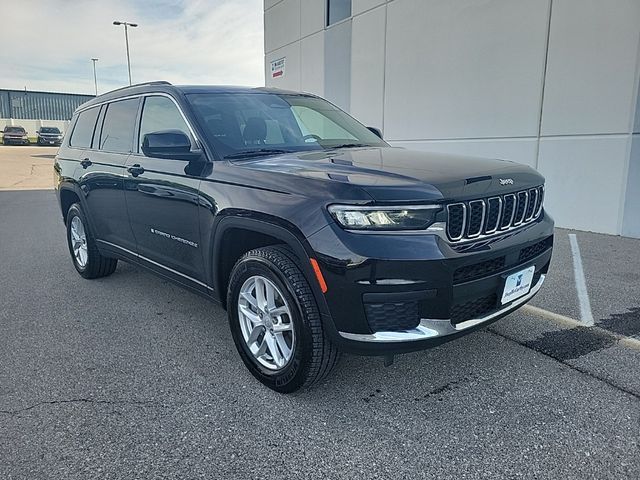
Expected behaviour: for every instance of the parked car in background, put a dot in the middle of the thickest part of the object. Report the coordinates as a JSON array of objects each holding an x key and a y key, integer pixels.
[
  {"x": 49, "y": 136},
  {"x": 315, "y": 234},
  {"x": 14, "y": 135}
]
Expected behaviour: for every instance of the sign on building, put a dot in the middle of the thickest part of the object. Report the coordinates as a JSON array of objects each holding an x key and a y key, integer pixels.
[{"x": 277, "y": 68}]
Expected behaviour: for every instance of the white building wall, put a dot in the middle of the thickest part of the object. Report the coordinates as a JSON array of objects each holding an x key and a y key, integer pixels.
[
  {"x": 548, "y": 83},
  {"x": 368, "y": 65}
]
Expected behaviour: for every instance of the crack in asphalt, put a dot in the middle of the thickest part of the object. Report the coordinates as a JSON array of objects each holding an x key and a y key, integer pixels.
[
  {"x": 559, "y": 359},
  {"x": 84, "y": 400}
]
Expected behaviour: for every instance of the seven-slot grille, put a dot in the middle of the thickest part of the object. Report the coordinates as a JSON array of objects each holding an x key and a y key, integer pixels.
[{"x": 486, "y": 216}]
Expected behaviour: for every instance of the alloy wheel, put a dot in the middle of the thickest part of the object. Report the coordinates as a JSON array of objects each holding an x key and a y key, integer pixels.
[
  {"x": 266, "y": 322},
  {"x": 79, "y": 242}
]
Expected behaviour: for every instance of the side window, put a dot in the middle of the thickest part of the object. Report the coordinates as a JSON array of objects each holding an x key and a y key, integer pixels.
[
  {"x": 338, "y": 10},
  {"x": 83, "y": 131},
  {"x": 160, "y": 113},
  {"x": 119, "y": 123}
]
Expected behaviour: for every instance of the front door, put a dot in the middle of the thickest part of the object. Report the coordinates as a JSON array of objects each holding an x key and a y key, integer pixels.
[{"x": 162, "y": 199}]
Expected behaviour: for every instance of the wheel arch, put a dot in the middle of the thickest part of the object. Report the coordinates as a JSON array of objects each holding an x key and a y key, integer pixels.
[
  {"x": 68, "y": 195},
  {"x": 235, "y": 235}
]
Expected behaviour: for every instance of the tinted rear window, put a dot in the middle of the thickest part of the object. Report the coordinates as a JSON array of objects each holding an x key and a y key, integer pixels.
[
  {"x": 118, "y": 126},
  {"x": 83, "y": 132}
]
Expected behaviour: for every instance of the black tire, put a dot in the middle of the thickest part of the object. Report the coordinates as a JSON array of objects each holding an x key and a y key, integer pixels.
[
  {"x": 313, "y": 356},
  {"x": 96, "y": 265}
]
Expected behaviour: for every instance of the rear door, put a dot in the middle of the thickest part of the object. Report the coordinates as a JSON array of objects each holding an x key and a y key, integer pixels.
[
  {"x": 162, "y": 198},
  {"x": 101, "y": 141}
]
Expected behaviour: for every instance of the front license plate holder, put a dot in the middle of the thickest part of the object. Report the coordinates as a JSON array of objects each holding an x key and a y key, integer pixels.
[{"x": 517, "y": 284}]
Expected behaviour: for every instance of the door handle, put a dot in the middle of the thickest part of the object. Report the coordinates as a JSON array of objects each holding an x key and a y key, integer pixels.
[
  {"x": 135, "y": 170},
  {"x": 86, "y": 163}
]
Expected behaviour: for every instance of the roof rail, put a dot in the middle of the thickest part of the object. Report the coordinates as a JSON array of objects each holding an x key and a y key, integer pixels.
[{"x": 156, "y": 82}]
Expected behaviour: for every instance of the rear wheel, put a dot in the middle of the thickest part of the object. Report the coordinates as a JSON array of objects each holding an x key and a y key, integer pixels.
[
  {"x": 84, "y": 252},
  {"x": 275, "y": 321}
]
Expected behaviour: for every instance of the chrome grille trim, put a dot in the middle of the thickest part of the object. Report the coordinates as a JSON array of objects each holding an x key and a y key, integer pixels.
[
  {"x": 503, "y": 225},
  {"x": 533, "y": 198},
  {"x": 522, "y": 198},
  {"x": 464, "y": 221},
  {"x": 498, "y": 218},
  {"x": 540, "y": 201},
  {"x": 514, "y": 210},
  {"x": 481, "y": 223}
]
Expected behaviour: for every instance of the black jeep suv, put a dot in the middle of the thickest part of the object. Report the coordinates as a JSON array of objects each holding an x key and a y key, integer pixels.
[{"x": 315, "y": 234}]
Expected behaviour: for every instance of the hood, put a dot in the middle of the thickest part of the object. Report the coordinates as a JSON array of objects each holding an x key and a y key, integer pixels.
[{"x": 390, "y": 174}]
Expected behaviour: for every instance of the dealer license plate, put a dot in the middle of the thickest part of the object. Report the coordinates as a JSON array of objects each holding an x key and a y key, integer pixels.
[{"x": 517, "y": 284}]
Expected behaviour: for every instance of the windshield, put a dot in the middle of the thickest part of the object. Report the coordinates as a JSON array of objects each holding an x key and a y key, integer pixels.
[
  {"x": 49, "y": 130},
  {"x": 14, "y": 130},
  {"x": 251, "y": 124}
]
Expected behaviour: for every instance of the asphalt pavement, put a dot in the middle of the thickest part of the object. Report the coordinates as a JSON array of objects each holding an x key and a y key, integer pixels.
[{"x": 132, "y": 377}]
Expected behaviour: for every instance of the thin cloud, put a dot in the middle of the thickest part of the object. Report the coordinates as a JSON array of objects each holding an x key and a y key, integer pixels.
[{"x": 47, "y": 45}]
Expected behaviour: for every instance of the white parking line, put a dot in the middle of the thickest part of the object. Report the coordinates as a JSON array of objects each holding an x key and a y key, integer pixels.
[{"x": 586, "y": 316}]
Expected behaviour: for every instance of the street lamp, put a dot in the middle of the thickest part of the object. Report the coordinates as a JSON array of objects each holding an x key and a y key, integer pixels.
[
  {"x": 126, "y": 39},
  {"x": 95, "y": 78}
]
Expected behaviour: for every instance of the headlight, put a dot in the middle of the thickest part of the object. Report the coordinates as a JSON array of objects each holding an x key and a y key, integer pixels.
[{"x": 409, "y": 217}]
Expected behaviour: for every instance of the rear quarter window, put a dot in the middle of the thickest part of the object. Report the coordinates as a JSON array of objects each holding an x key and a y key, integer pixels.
[
  {"x": 85, "y": 126},
  {"x": 119, "y": 126}
]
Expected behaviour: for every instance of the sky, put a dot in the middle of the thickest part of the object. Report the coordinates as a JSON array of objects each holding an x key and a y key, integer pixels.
[{"x": 48, "y": 44}]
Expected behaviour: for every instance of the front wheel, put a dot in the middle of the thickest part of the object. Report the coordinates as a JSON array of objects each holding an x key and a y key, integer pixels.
[
  {"x": 84, "y": 252},
  {"x": 275, "y": 322}
]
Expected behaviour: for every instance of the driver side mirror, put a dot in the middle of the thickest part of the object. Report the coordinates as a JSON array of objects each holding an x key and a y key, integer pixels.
[
  {"x": 169, "y": 144},
  {"x": 376, "y": 131}
]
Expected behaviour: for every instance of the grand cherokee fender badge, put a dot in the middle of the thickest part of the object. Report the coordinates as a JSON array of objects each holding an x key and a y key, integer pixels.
[
  {"x": 173, "y": 237},
  {"x": 506, "y": 181}
]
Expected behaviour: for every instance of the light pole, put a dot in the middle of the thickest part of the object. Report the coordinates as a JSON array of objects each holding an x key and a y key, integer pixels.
[
  {"x": 126, "y": 39},
  {"x": 95, "y": 78}
]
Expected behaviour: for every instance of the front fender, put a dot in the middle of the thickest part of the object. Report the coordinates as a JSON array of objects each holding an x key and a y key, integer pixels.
[{"x": 273, "y": 227}]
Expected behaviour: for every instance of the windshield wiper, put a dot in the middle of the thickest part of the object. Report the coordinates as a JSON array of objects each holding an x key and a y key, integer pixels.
[
  {"x": 349, "y": 145},
  {"x": 257, "y": 153}
]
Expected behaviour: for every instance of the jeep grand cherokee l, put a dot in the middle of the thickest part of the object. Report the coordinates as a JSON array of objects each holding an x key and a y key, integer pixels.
[{"x": 316, "y": 235}]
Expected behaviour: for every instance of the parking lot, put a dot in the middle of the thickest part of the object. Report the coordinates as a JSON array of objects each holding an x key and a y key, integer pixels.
[{"x": 130, "y": 376}]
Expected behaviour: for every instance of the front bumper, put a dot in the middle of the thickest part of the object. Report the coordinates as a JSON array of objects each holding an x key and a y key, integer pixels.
[
  {"x": 399, "y": 293},
  {"x": 49, "y": 141},
  {"x": 438, "y": 328},
  {"x": 15, "y": 140}
]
